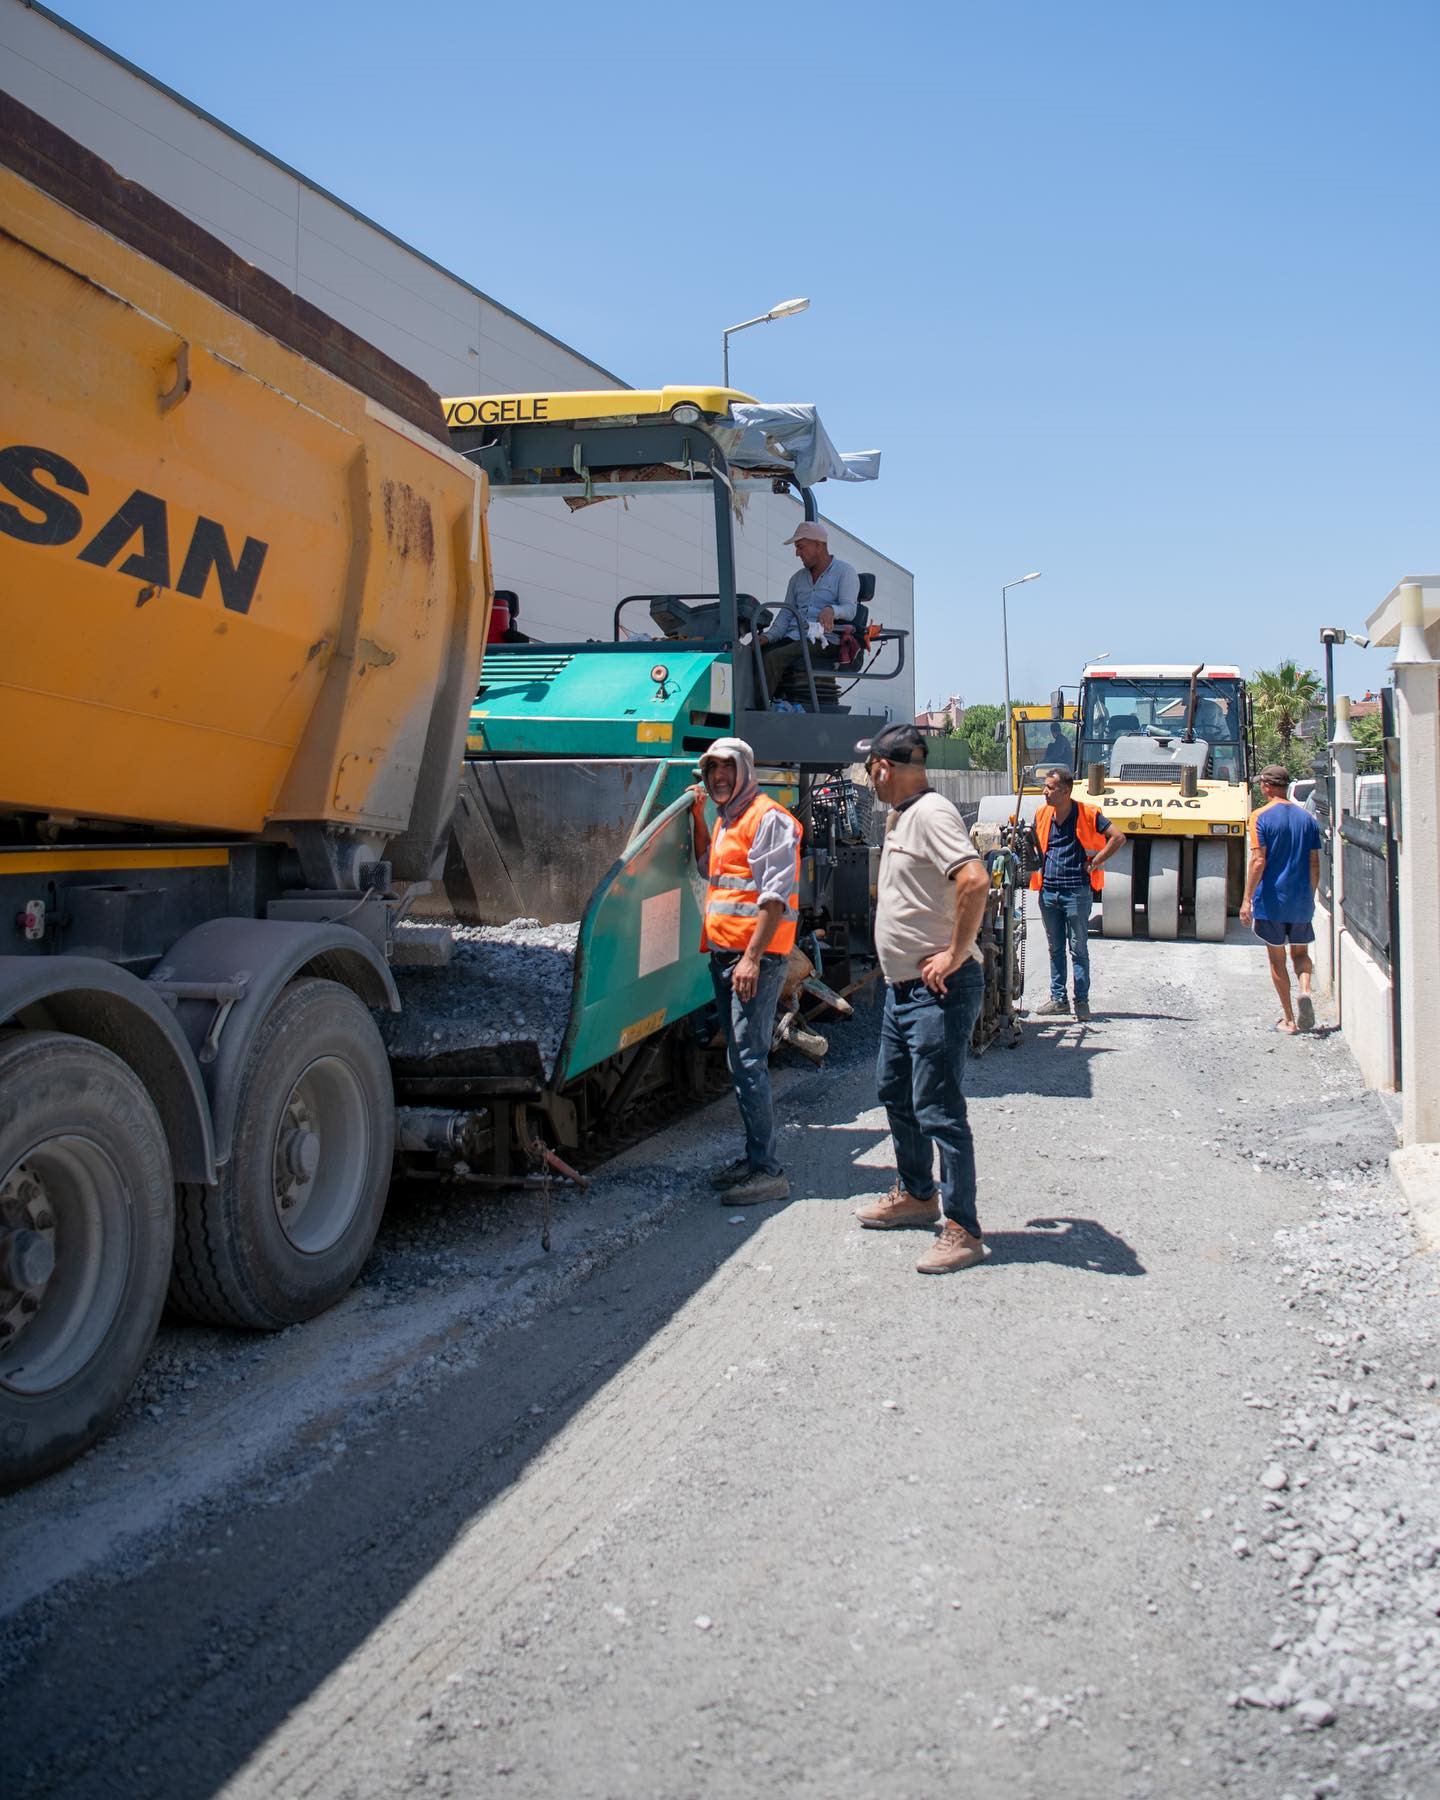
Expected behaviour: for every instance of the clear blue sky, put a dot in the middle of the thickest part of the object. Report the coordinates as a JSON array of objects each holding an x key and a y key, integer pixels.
[{"x": 1141, "y": 296}]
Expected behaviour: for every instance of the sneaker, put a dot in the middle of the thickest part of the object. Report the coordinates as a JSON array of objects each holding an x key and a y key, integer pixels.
[
  {"x": 1052, "y": 1009},
  {"x": 755, "y": 1189},
  {"x": 1082, "y": 1009},
  {"x": 899, "y": 1208},
  {"x": 953, "y": 1249},
  {"x": 732, "y": 1172}
]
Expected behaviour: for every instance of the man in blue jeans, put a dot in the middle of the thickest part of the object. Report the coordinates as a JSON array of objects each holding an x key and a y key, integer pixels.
[
  {"x": 1075, "y": 841},
  {"x": 752, "y": 904},
  {"x": 930, "y": 899}
]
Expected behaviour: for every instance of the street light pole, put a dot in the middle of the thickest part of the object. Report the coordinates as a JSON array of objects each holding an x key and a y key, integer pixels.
[
  {"x": 1330, "y": 636},
  {"x": 786, "y": 309},
  {"x": 1005, "y": 636}
]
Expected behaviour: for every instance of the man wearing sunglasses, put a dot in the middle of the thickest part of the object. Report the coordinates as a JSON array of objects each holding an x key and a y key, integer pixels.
[{"x": 930, "y": 900}]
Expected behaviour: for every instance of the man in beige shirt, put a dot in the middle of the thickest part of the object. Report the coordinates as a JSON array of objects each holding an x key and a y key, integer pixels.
[{"x": 929, "y": 903}]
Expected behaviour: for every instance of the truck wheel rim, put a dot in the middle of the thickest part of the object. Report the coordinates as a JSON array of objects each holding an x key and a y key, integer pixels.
[
  {"x": 65, "y": 1252},
  {"x": 322, "y": 1155}
]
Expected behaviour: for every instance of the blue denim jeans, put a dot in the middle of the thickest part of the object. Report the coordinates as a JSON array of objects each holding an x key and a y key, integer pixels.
[
  {"x": 748, "y": 1026},
  {"x": 919, "y": 1077},
  {"x": 1065, "y": 914}
]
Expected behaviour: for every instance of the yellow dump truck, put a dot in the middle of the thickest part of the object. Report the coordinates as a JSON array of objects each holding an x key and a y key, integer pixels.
[
  {"x": 1041, "y": 738},
  {"x": 243, "y": 597}
]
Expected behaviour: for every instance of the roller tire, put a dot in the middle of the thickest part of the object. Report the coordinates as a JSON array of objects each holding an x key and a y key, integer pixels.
[
  {"x": 76, "y": 1114},
  {"x": 235, "y": 1262},
  {"x": 1212, "y": 885},
  {"x": 1117, "y": 898},
  {"x": 1162, "y": 892}
]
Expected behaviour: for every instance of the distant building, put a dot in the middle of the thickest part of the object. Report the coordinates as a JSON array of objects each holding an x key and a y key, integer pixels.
[{"x": 944, "y": 719}]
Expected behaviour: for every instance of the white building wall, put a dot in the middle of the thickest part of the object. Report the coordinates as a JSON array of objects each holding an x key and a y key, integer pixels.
[
  {"x": 1365, "y": 1011},
  {"x": 569, "y": 569}
]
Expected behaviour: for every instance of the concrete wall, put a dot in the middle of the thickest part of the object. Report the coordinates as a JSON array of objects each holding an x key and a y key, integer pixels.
[
  {"x": 1365, "y": 1003},
  {"x": 966, "y": 787},
  {"x": 569, "y": 570},
  {"x": 1324, "y": 978}
]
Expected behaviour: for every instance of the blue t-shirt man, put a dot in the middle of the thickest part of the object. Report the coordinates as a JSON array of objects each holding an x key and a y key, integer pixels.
[
  {"x": 1280, "y": 892},
  {"x": 1283, "y": 895}
]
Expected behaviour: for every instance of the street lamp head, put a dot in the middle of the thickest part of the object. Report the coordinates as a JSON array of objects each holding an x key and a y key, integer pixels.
[
  {"x": 1034, "y": 575},
  {"x": 785, "y": 310}
]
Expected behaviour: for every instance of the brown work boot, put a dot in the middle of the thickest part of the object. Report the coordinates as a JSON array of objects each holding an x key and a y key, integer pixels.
[
  {"x": 953, "y": 1249},
  {"x": 899, "y": 1208}
]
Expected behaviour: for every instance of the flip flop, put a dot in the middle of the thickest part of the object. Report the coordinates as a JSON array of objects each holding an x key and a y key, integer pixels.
[
  {"x": 1305, "y": 1013},
  {"x": 1284, "y": 1028}
]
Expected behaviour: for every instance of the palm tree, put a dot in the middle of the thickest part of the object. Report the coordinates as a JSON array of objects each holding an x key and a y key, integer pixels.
[{"x": 1283, "y": 699}]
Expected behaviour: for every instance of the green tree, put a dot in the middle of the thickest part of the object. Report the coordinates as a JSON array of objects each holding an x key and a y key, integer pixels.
[
  {"x": 978, "y": 730},
  {"x": 1370, "y": 736},
  {"x": 1283, "y": 698}
]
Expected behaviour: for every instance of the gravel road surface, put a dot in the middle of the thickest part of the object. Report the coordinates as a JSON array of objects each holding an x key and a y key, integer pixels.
[{"x": 714, "y": 1502}]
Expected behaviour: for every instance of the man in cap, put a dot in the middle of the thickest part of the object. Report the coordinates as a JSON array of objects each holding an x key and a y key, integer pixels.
[
  {"x": 822, "y": 592},
  {"x": 752, "y": 904},
  {"x": 1280, "y": 892},
  {"x": 929, "y": 902}
]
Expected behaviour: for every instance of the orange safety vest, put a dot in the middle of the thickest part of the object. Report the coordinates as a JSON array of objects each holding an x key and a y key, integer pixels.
[
  {"x": 732, "y": 902},
  {"x": 1086, "y": 833}
]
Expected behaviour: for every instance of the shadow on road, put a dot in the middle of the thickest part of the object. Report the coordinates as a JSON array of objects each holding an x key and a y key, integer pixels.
[
  {"x": 1054, "y": 1060},
  {"x": 1072, "y": 1243},
  {"x": 183, "y": 1668},
  {"x": 1237, "y": 937}
]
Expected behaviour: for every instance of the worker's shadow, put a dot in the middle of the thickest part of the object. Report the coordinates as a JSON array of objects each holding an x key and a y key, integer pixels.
[{"x": 1073, "y": 1243}]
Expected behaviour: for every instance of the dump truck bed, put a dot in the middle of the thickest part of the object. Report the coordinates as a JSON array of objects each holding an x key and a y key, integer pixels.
[{"x": 264, "y": 582}]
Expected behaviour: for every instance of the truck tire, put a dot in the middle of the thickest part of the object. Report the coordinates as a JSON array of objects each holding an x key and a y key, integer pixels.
[
  {"x": 86, "y": 1225},
  {"x": 288, "y": 1226}
]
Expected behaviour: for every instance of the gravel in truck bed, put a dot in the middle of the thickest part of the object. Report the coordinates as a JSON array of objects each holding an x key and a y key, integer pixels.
[{"x": 505, "y": 984}]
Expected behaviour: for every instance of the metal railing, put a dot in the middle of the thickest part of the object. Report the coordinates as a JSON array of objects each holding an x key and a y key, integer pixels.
[{"x": 1365, "y": 866}]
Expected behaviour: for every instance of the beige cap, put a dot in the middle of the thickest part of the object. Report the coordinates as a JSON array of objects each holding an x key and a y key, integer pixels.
[{"x": 812, "y": 528}]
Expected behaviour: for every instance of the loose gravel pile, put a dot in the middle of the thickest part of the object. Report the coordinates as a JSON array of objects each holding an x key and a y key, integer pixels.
[
  {"x": 1347, "y": 1510},
  {"x": 505, "y": 984}
]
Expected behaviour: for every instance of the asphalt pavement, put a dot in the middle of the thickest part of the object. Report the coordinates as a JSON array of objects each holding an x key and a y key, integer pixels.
[{"x": 715, "y": 1502}]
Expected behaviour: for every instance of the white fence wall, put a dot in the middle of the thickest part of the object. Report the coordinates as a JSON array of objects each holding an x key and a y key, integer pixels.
[{"x": 569, "y": 570}]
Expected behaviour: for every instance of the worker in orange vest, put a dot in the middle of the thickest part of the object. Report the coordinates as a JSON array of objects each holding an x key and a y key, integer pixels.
[
  {"x": 752, "y": 906},
  {"x": 1075, "y": 840}
]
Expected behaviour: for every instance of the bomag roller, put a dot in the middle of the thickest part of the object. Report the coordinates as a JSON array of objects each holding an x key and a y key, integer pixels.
[{"x": 1165, "y": 751}]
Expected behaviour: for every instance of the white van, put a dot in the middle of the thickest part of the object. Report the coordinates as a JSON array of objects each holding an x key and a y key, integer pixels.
[{"x": 1370, "y": 798}]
